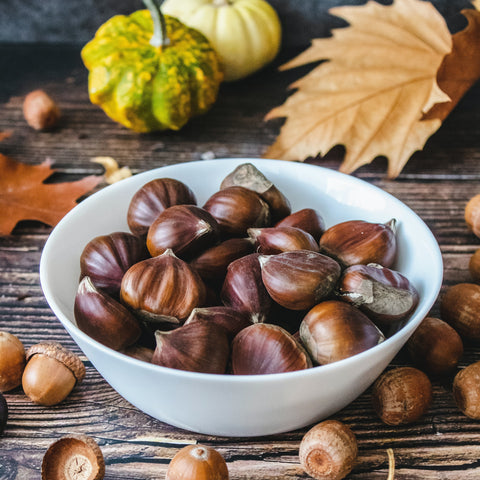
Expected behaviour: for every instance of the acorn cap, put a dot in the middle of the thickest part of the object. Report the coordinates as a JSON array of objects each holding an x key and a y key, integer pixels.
[
  {"x": 59, "y": 352},
  {"x": 73, "y": 457}
]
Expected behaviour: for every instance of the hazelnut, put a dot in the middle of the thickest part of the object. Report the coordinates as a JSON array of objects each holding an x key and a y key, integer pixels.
[
  {"x": 73, "y": 457},
  {"x": 40, "y": 111},
  {"x": 402, "y": 395},
  {"x": 359, "y": 242},
  {"x": 197, "y": 462},
  {"x": 466, "y": 390},
  {"x": 153, "y": 198},
  {"x": 51, "y": 373},
  {"x": 263, "y": 348},
  {"x": 459, "y": 307},
  {"x": 472, "y": 214},
  {"x": 474, "y": 266},
  {"x": 12, "y": 361},
  {"x": 307, "y": 219},
  {"x": 272, "y": 240},
  {"x": 435, "y": 346},
  {"x": 328, "y": 451},
  {"x": 3, "y": 414}
]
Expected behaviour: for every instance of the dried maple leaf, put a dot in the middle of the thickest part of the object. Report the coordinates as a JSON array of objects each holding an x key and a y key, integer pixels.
[
  {"x": 372, "y": 93},
  {"x": 24, "y": 196}
]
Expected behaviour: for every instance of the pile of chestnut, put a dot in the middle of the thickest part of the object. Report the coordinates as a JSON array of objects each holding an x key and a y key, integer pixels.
[{"x": 241, "y": 285}]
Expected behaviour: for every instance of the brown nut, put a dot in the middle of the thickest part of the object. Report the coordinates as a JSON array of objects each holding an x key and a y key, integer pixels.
[
  {"x": 233, "y": 321},
  {"x": 212, "y": 264},
  {"x": 236, "y": 209},
  {"x": 474, "y": 266},
  {"x": 335, "y": 330},
  {"x": 307, "y": 219},
  {"x": 73, "y": 457},
  {"x": 359, "y": 242},
  {"x": 3, "y": 414},
  {"x": 300, "y": 279},
  {"x": 106, "y": 258},
  {"x": 139, "y": 352},
  {"x": 466, "y": 390},
  {"x": 472, "y": 215},
  {"x": 384, "y": 295},
  {"x": 459, "y": 307},
  {"x": 40, "y": 111},
  {"x": 197, "y": 347},
  {"x": 103, "y": 318},
  {"x": 402, "y": 395},
  {"x": 197, "y": 462},
  {"x": 153, "y": 198},
  {"x": 243, "y": 288},
  {"x": 162, "y": 288},
  {"x": 435, "y": 347},
  {"x": 328, "y": 451},
  {"x": 12, "y": 361},
  {"x": 51, "y": 373},
  {"x": 185, "y": 229},
  {"x": 272, "y": 240},
  {"x": 248, "y": 176},
  {"x": 264, "y": 348}
]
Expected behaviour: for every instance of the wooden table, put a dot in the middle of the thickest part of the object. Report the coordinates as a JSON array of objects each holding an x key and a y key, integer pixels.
[{"x": 436, "y": 184}]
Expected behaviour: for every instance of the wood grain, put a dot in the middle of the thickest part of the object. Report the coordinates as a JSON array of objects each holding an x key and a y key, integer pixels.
[{"x": 436, "y": 184}]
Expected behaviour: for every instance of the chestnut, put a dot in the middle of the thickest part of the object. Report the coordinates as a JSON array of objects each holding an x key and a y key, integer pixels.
[
  {"x": 248, "y": 176},
  {"x": 153, "y": 198},
  {"x": 264, "y": 348},
  {"x": 162, "y": 288},
  {"x": 360, "y": 242},
  {"x": 103, "y": 318},
  {"x": 236, "y": 209},
  {"x": 334, "y": 330},
  {"x": 384, "y": 295},
  {"x": 106, "y": 258},
  {"x": 299, "y": 279},
  {"x": 308, "y": 219},
  {"x": 197, "y": 347},
  {"x": 244, "y": 290},
  {"x": 186, "y": 229},
  {"x": 269, "y": 241}
]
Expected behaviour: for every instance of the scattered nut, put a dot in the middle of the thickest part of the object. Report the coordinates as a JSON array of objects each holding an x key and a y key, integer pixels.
[
  {"x": 40, "y": 111},
  {"x": 51, "y": 373},
  {"x": 466, "y": 390},
  {"x": 12, "y": 361},
  {"x": 474, "y": 266},
  {"x": 402, "y": 395},
  {"x": 328, "y": 451},
  {"x": 472, "y": 214},
  {"x": 197, "y": 462},
  {"x": 74, "y": 457}
]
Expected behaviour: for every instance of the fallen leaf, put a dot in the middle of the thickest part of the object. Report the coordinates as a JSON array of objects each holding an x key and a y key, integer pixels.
[
  {"x": 373, "y": 92},
  {"x": 24, "y": 196},
  {"x": 113, "y": 173}
]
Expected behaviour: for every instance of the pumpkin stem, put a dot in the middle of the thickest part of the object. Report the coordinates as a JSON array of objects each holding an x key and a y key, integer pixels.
[{"x": 159, "y": 37}]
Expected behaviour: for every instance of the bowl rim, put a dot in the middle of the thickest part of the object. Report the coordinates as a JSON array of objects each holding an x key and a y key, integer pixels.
[{"x": 412, "y": 323}]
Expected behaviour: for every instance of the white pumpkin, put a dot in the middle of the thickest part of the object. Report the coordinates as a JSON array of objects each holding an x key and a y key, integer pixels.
[{"x": 245, "y": 33}]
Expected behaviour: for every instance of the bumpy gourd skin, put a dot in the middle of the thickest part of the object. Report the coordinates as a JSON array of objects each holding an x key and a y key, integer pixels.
[{"x": 147, "y": 88}]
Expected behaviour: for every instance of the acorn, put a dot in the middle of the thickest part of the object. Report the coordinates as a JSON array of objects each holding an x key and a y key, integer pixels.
[
  {"x": 359, "y": 242},
  {"x": 269, "y": 241},
  {"x": 300, "y": 279},
  {"x": 153, "y": 198}
]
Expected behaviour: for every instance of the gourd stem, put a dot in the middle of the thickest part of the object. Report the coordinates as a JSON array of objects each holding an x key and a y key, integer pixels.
[{"x": 159, "y": 37}]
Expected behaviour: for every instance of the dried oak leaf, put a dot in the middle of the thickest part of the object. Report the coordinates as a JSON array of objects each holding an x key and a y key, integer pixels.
[
  {"x": 373, "y": 92},
  {"x": 24, "y": 196}
]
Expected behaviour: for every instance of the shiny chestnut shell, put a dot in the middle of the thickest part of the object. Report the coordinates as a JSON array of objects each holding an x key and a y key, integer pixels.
[
  {"x": 334, "y": 330},
  {"x": 308, "y": 219},
  {"x": 384, "y": 295},
  {"x": 186, "y": 229},
  {"x": 106, "y": 258},
  {"x": 273, "y": 240},
  {"x": 359, "y": 242},
  {"x": 264, "y": 348},
  {"x": 153, "y": 198},
  {"x": 162, "y": 288},
  {"x": 236, "y": 209}
]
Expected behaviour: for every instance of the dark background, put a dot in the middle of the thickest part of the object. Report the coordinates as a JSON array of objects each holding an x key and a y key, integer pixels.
[{"x": 75, "y": 22}]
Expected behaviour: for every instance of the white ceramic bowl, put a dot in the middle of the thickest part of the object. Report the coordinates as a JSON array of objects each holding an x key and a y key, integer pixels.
[{"x": 230, "y": 405}]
